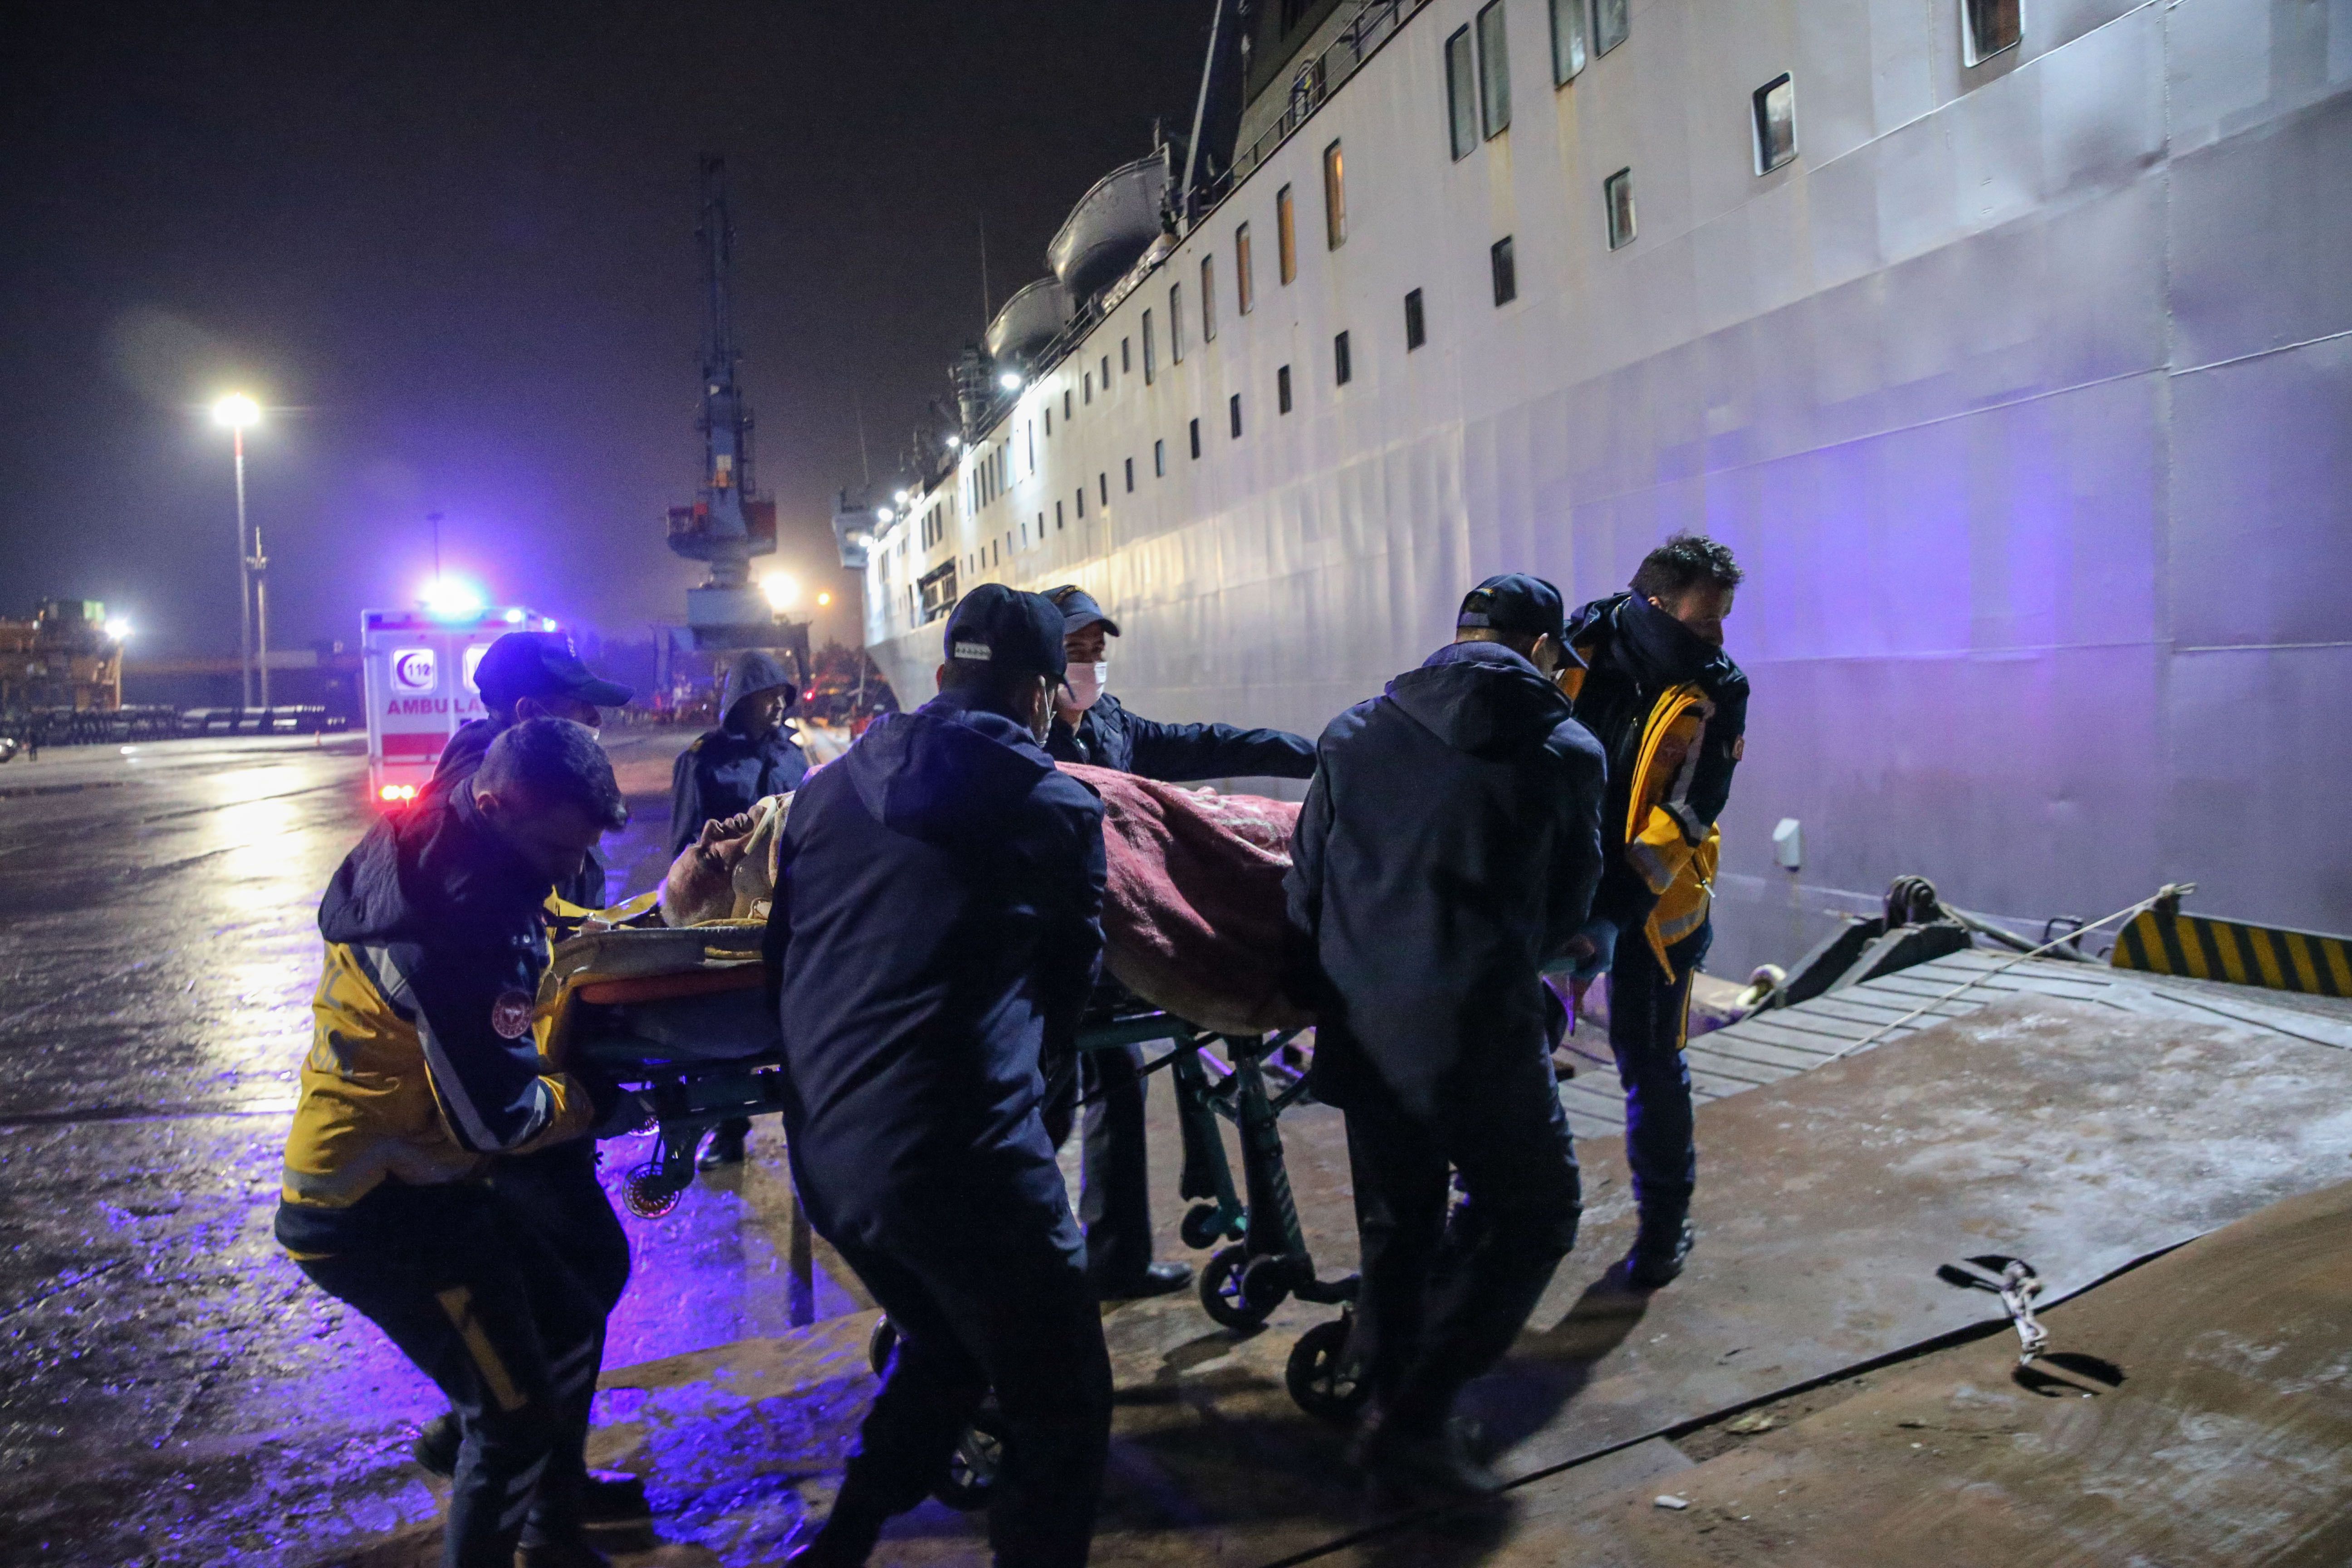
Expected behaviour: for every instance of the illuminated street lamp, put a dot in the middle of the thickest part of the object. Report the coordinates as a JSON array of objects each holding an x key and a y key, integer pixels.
[
  {"x": 235, "y": 412},
  {"x": 1009, "y": 381},
  {"x": 782, "y": 591}
]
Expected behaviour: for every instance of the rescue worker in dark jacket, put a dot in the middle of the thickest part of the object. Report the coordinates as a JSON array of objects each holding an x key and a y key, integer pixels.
[
  {"x": 1090, "y": 727},
  {"x": 1447, "y": 854},
  {"x": 1670, "y": 709},
  {"x": 936, "y": 928},
  {"x": 426, "y": 1072},
  {"x": 749, "y": 757},
  {"x": 531, "y": 674},
  {"x": 521, "y": 677}
]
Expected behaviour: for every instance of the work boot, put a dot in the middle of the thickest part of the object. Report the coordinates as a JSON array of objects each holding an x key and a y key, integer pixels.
[
  {"x": 436, "y": 1447},
  {"x": 725, "y": 1146},
  {"x": 614, "y": 1497},
  {"x": 608, "y": 1497},
  {"x": 1659, "y": 1252},
  {"x": 1420, "y": 1463},
  {"x": 1157, "y": 1280}
]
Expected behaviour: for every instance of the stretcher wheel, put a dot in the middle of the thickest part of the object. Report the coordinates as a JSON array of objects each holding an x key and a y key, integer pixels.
[
  {"x": 977, "y": 1461},
  {"x": 879, "y": 1344},
  {"x": 1322, "y": 1381},
  {"x": 1265, "y": 1283},
  {"x": 644, "y": 1195},
  {"x": 1199, "y": 1226},
  {"x": 1224, "y": 1292}
]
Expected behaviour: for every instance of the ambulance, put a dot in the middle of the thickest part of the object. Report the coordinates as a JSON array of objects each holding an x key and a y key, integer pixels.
[{"x": 418, "y": 666}]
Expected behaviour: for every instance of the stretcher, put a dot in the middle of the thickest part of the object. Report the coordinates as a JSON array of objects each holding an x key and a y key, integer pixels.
[{"x": 679, "y": 1015}]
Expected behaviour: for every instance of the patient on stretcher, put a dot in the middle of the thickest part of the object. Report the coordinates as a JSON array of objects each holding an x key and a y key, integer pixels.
[{"x": 1192, "y": 911}]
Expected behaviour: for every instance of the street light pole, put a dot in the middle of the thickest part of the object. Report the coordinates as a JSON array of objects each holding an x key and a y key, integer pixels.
[
  {"x": 244, "y": 579},
  {"x": 262, "y": 612},
  {"x": 236, "y": 412}
]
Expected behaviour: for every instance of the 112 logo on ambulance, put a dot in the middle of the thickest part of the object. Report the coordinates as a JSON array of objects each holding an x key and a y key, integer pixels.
[{"x": 414, "y": 669}]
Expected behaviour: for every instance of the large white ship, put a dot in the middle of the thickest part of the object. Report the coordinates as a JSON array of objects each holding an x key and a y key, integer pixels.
[{"x": 2009, "y": 342}]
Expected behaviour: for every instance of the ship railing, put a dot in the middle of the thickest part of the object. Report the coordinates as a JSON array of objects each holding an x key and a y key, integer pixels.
[
  {"x": 1318, "y": 77},
  {"x": 1371, "y": 24}
]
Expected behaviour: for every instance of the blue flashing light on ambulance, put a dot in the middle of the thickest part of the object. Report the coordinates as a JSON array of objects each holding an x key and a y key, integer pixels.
[{"x": 418, "y": 678}]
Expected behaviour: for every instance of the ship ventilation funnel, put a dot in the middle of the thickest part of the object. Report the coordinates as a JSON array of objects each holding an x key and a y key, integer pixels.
[
  {"x": 1029, "y": 321},
  {"x": 1110, "y": 227}
]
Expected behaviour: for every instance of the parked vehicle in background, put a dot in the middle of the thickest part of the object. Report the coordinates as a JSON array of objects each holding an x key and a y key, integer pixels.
[{"x": 418, "y": 667}]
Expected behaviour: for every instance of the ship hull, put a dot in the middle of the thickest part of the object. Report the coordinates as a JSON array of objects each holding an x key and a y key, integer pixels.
[{"x": 2023, "y": 394}]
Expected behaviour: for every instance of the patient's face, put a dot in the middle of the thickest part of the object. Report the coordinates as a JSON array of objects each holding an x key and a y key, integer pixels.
[{"x": 701, "y": 881}]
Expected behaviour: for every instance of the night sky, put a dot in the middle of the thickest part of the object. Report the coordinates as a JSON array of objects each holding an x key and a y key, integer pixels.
[{"x": 451, "y": 248}]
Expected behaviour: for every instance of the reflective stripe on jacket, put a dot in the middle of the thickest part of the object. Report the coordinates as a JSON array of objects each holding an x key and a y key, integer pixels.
[
  {"x": 1671, "y": 713},
  {"x": 1665, "y": 842},
  {"x": 427, "y": 1053}
]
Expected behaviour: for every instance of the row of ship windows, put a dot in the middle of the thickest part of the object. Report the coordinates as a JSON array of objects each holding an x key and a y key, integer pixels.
[
  {"x": 1478, "y": 105},
  {"x": 1477, "y": 75},
  {"x": 1478, "y": 87},
  {"x": 993, "y": 471},
  {"x": 1416, "y": 334},
  {"x": 1478, "y": 68}
]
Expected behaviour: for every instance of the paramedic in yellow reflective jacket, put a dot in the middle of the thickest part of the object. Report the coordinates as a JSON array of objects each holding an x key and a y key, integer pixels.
[
  {"x": 427, "y": 1070},
  {"x": 1670, "y": 708}
]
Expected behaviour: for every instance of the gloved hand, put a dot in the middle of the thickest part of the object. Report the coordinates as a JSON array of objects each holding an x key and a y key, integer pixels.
[{"x": 1591, "y": 951}]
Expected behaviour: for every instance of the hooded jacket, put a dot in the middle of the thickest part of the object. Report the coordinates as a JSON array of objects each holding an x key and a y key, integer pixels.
[
  {"x": 723, "y": 773},
  {"x": 1670, "y": 711},
  {"x": 1108, "y": 736},
  {"x": 936, "y": 926},
  {"x": 425, "y": 1062},
  {"x": 726, "y": 770},
  {"x": 1447, "y": 851}
]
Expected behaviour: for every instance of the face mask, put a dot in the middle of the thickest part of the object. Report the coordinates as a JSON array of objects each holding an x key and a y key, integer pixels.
[{"x": 1086, "y": 682}]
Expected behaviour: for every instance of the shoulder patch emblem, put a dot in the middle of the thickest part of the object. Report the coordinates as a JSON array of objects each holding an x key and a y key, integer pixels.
[{"x": 511, "y": 1014}]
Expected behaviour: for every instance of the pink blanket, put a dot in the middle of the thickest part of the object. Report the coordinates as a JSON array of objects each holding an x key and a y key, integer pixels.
[{"x": 1193, "y": 910}]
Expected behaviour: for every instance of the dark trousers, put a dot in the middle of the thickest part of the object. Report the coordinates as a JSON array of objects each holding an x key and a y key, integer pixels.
[
  {"x": 1115, "y": 1174},
  {"x": 556, "y": 1192},
  {"x": 1441, "y": 1301},
  {"x": 991, "y": 1296},
  {"x": 1649, "y": 1023},
  {"x": 496, "y": 1318},
  {"x": 1114, "y": 1167}
]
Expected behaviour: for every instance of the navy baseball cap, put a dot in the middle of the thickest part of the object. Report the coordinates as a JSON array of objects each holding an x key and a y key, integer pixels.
[
  {"x": 1004, "y": 627},
  {"x": 542, "y": 664},
  {"x": 1516, "y": 604},
  {"x": 1079, "y": 610}
]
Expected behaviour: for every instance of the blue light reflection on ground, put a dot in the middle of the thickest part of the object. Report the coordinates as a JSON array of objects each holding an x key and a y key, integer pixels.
[
  {"x": 712, "y": 1270},
  {"x": 178, "y": 1393}
]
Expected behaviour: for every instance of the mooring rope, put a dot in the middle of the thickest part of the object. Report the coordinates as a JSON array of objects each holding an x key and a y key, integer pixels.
[{"x": 2171, "y": 892}]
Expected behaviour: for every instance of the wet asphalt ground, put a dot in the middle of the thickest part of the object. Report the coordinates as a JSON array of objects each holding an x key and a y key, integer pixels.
[{"x": 172, "y": 1390}]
